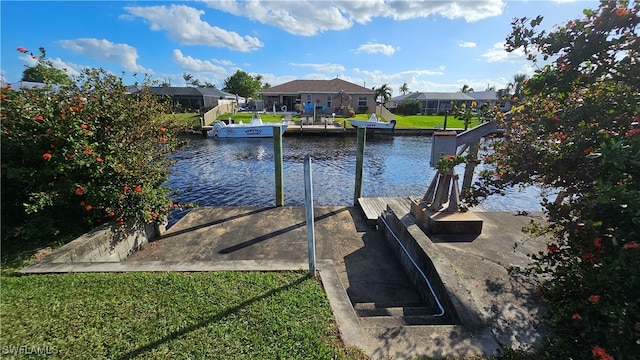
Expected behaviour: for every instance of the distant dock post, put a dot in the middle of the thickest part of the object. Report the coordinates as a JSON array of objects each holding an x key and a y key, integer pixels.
[
  {"x": 277, "y": 160},
  {"x": 361, "y": 139}
]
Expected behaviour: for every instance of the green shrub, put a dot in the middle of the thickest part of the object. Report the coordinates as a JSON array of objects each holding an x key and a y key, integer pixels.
[{"x": 82, "y": 154}]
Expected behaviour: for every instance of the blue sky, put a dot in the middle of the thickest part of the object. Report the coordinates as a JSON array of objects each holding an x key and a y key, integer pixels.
[{"x": 430, "y": 45}]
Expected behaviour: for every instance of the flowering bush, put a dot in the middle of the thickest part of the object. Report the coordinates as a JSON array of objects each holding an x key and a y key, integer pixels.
[
  {"x": 577, "y": 131},
  {"x": 82, "y": 154}
]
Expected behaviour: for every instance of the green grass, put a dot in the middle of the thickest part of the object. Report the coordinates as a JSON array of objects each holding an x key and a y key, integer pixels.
[
  {"x": 403, "y": 122},
  {"x": 186, "y": 119},
  {"x": 224, "y": 315}
]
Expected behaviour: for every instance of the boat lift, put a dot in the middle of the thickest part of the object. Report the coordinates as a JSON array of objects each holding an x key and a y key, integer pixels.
[{"x": 438, "y": 211}]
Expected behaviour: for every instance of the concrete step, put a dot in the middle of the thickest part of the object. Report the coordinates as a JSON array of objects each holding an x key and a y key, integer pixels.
[{"x": 390, "y": 315}]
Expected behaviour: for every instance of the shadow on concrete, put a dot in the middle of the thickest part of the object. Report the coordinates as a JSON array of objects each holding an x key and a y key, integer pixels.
[
  {"x": 374, "y": 275},
  {"x": 215, "y": 222},
  {"x": 273, "y": 234}
]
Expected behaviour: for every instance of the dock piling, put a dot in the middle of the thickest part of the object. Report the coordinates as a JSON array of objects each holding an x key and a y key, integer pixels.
[
  {"x": 361, "y": 139},
  {"x": 277, "y": 160}
]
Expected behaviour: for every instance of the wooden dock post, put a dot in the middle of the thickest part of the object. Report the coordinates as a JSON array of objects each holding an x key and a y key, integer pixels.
[
  {"x": 308, "y": 202},
  {"x": 277, "y": 160},
  {"x": 361, "y": 139}
]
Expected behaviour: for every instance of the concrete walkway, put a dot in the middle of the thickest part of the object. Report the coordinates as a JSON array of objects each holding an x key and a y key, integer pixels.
[{"x": 369, "y": 292}]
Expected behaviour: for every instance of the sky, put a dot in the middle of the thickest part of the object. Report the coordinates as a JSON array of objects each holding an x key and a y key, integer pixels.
[{"x": 431, "y": 45}]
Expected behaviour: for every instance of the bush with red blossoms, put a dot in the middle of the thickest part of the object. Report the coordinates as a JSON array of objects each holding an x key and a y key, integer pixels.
[
  {"x": 78, "y": 155},
  {"x": 577, "y": 130}
]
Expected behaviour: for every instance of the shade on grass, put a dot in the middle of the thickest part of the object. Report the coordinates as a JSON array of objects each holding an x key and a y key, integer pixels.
[{"x": 171, "y": 315}]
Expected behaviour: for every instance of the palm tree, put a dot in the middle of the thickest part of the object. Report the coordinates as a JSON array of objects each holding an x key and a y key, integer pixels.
[
  {"x": 404, "y": 88},
  {"x": 187, "y": 78},
  {"x": 466, "y": 89},
  {"x": 383, "y": 92},
  {"x": 516, "y": 85}
]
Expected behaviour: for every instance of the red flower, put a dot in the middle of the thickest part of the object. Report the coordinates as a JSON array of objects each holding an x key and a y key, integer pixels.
[
  {"x": 112, "y": 214},
  {"x": 594, "y": 298},
  {"x": 63, "y": 116},
  {"x": 632, "y": 133},
  {"x": 80, "y": 190},
  {"x": 99, "y": 159},
  {"x": 597, "y": 242},
  {"x": 89, "y": 207},
  {"x": 588, "y": 150},
  {"x": 630, "y": 245},
  {"x": 162, "y": 129},
  {"x": 601, "y": 353},
  {"x": 22, "y": 50},
  {"x": 88, "y": 151},
  {"x": 576, "y": 316},
  {"x": 137, "y": 189},
  {"x": 125, "y": 188},
  {"x": 39, "y": 117},
  {"x": 552, "y": 248},
  {"x": 84, "y": 126},
  {"x": 46, "y": 156},
  {"x": 3, "y": 96},
  {"x": 163, "y": 139}
]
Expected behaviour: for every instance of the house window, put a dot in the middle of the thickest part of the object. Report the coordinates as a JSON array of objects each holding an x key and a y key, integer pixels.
[
  {"x": 329, "y": 101},
  {"x": 309, "y": 97},
  {"x": 362, "y": 101}
]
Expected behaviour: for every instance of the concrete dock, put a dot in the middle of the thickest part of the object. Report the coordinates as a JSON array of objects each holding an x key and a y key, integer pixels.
[{"x": 376, "y": 306}]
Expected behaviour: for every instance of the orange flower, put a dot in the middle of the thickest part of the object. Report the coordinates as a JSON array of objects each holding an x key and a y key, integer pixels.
[
  {"x": 594, "y": 298},
  {"x": 163, "y": 139},
  {"x": 88, "y": 151},
  {"x": 137, "y": 189},
  {"x": 84, "y": 126},
  {"x": 39, "y": 117},
  {"x": 576, "y": 316},
  {"x": 46, "y": 156},
  {"x": 622, "y": 12},
  {"x": 80, "y": 190},
  {"x": 99, "y": 159},
  {"x": 630, "y": 245},
  {"x": 601, "y": 353},
  {"x": 162, "y": 129},
  {"x": 3, "y": 96}
]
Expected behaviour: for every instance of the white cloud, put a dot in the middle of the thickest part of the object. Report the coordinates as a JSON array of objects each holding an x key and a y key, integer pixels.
[
  {"x": 309, "y": 17},
  {"x": 183, "y": 24},
  {"x": 373, "y": 48},
  {"x": 188, "y": 63},
  {"x": 326, "y": 67},
  {"x": 498, "y": 54},
  {"x": 122, "y": 54},
  {"x": 467, "y": 44}
]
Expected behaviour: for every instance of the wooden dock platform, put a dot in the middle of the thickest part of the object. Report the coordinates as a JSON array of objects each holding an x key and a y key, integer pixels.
[{"x": 373, "y": 207}]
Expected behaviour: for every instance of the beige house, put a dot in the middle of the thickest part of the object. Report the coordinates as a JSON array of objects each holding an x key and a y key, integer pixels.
[{"x": 322, "y": 96}]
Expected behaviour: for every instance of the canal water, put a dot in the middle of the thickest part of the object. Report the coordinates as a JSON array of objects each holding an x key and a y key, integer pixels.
[{"x": 240, "y": 172}]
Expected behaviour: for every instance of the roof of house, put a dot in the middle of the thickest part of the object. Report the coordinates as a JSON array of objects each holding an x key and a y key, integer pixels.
[
  {"x": 189, "y": 91},
  {"x": 442, "y": 96},
  {"x": 484, "y": 95},
  {"x": 332, "y": 86}
]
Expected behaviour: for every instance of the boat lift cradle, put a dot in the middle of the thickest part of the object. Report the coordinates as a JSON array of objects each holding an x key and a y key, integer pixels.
[{"x": 438, "y": 211}]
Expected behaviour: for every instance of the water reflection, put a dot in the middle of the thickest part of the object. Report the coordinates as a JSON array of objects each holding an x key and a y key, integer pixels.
[{"x": 240, "y": 172}]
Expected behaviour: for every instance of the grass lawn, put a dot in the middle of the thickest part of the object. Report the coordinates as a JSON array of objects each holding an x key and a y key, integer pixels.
[
  {"x": 403, "y": 122},
  {"x": 223, "y": 315}
]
